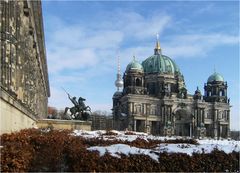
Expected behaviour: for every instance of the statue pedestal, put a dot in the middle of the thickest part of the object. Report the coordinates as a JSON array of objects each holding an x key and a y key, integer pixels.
[{"x": 64, "y": 124}]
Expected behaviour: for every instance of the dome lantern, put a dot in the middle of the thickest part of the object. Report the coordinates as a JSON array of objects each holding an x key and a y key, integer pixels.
[
  {"x": 157, "y": 50},
  {"x": 159, "y": 63}
]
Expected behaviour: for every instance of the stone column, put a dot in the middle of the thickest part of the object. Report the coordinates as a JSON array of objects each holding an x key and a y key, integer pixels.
[
  {"x": 198, "y": 117},
  {"x": 135, "y": 125},
  {"x": 215, "y": 124},
  {"x": 162, "y": 113},
  {"x": 171, "y": 119},
  {"x": 217, "y": 91},
  {"x": 220, "y": 133},
  {"x": 228, "y": 126},
  {"x": 190, "y": 129},
  {"x": 203, "y": 116},
  {"x": 165, "y": 115},
  {"x": 129, "y": 108},
  {"x": 195, "y": 117}
]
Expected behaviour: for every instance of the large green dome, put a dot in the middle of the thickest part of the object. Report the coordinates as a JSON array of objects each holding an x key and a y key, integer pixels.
[
  {"x": 134, "y": 66},
  {"x": 215, "y": 77},
  {"x": 159, "y": 63}
]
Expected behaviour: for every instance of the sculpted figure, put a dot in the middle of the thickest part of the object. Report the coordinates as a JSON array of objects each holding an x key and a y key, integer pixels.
[
  {"x": 73, "y": 100},
  {"x": 79, "y": 110}
]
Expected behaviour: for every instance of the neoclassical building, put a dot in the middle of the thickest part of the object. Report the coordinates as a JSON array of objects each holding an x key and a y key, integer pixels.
[
  {"x": 24, "y": 77},
  {"x": 155, "y": 100}
]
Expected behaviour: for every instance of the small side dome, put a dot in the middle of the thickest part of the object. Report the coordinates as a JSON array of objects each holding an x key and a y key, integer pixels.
[
  {"x": 198, "y": 91},
  {"x": 215, "y": 77},
  {"x": 134, "y": 66}
]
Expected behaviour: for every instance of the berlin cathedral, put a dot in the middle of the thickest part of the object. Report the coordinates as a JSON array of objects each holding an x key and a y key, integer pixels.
[{"x": 155, "y": 100}]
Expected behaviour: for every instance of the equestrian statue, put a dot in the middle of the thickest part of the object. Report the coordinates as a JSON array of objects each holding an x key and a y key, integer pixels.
[{"x": 79, "y": 111}]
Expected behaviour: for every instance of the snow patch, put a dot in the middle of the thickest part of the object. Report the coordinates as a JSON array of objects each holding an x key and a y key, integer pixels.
[
  {"x": 205, "y": 145},
  {"x": 116, "y": 149}
]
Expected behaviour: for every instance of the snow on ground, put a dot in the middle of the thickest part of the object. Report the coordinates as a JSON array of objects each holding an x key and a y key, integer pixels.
[
  {"x": 116, "y": 149},
  {"x": 120, "y": 135},
  {"x": 190, "y": 148},
  {"x": 205, "y": 145}
]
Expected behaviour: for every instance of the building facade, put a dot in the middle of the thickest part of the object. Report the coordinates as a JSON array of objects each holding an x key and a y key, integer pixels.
[
  {"x": 24, "y": 77},
  {"x": 155, "y": 100}
]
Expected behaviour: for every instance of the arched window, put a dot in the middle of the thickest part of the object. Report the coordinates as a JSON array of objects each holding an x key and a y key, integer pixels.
[
  {"x": 223, "y": 93},
  {"x": 138, "y": 109},
  {"x": 153, "y": 110},
  {"x": 138, "y": 82},
  {"x": 220, "y": 93},
  {"x": 209, "y": 93}
]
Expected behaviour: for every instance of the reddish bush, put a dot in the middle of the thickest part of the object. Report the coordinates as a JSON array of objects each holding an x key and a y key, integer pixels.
[
  {"x": 184, "y": 141},
  {"x": 129, "y": 133},
  {"x": 110, "y": 133},
  {"x": 58, "y": 151},
  {"x": 17, "y": 152}
]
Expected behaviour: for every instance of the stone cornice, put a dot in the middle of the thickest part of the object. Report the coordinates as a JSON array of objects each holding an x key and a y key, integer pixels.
[{"x": 37, "y": 22}]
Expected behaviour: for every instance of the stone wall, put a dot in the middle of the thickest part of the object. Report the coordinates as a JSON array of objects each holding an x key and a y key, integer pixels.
[
  {"x": 13, "y": 116},
  {"x": 64, "y": 124},
  {"x": 23, "y": 67}
]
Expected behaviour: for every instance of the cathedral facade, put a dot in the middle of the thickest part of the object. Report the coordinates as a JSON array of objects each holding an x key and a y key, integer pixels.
[
  {"x": 24, "y": 77},
  {"x": 155, "y": 100}
]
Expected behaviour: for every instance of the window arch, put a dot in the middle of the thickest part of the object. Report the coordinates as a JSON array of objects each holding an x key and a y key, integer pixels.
[{"x": 138, "y": 82}]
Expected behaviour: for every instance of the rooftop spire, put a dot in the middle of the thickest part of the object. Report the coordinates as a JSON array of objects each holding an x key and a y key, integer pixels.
[
  {"x": 157, "y": 42},
  {"x": 119, "y": 81},
  {"x": 157, "y": 49}
]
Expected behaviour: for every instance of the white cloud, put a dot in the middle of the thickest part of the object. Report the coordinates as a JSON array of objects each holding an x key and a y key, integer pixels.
[
  {"x": 196, "y": 45},
  {"x": 134, "y": 24},
  {"x": 63, "y": 79},
  {"x": 205, "y": 9},
  {"x": 66, "y": 58}
]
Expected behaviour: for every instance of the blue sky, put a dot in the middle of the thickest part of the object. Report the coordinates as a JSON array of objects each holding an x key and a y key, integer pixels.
[{"x": 83, "y": 40}]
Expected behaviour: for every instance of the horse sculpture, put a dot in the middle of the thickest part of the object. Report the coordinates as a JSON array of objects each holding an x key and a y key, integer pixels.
[{"x": 79, "y": 111}]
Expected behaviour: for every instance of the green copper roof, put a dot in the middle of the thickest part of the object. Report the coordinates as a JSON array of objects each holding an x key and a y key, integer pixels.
[
  {"x": 134, "y": 65},
  {"x": 160, "y": 63},
  {"x": 215, "y": 77}
]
